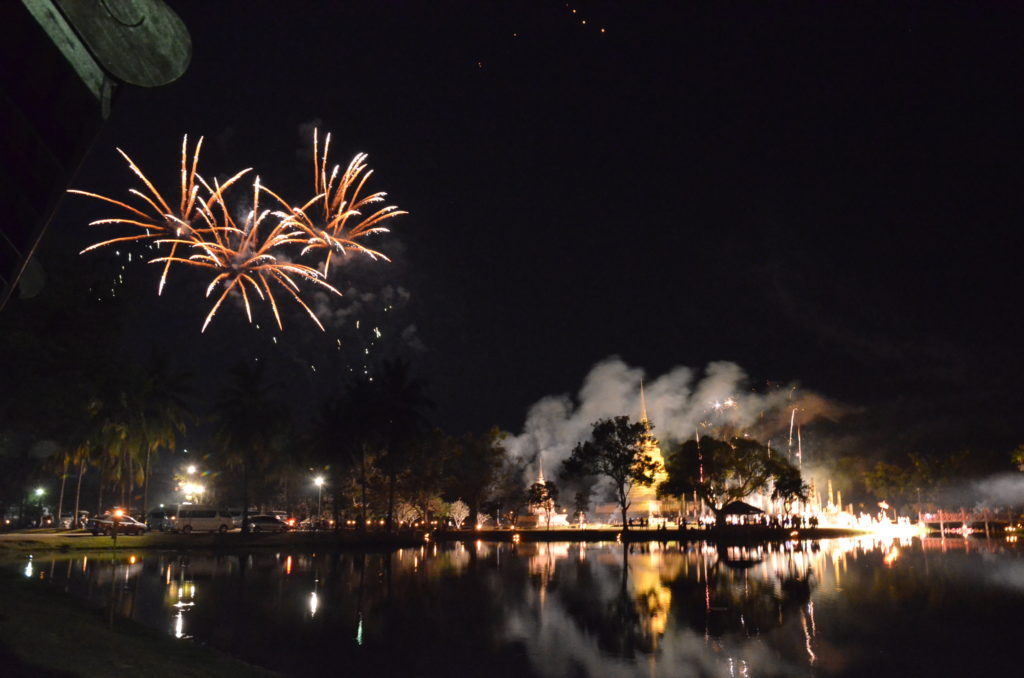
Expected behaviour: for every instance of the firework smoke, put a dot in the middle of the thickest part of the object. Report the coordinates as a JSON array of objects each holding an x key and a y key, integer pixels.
[{"x": 680, "y": 403}]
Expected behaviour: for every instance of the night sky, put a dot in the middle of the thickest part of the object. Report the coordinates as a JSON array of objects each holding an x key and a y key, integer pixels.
[{"x": 826, "y": 195}]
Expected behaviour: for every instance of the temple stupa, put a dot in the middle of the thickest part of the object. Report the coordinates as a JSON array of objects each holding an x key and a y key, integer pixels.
[
  {"x": 643, "y": 501},
  {"x": 538, "y": 513}
]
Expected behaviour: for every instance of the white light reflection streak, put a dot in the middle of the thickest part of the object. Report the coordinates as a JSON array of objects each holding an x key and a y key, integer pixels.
[{"x": 807, "y": 638}]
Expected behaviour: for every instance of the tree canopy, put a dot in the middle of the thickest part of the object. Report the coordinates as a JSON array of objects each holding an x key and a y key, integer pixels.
[
  {"x": 615, "y": 450},
  {"x": 723, "y": 471}
]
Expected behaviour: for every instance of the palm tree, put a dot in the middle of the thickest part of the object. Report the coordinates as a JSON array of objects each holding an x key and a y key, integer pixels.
[
  {"x": 162, "y": 412},
  {"x": 399, "y": 402},
  {"x": 345, "y": 435},
  {"x": 247, "y": 416},
  {"x": 136, "y": 413}
]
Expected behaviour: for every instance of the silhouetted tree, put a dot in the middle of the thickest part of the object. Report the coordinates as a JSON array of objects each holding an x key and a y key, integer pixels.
[
  {"x": 543, "y": 496},
  {"x": 472, "y": 466},
  {"x": 400, "y": 404},
  {"x": 723, "y": 471},
  {"x": 248, "y": 416},
  {"x": 615, "y": 450}
]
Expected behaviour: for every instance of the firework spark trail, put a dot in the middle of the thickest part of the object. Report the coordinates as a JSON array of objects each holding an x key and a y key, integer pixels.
[
  {"x": 241, "y": 257},
  {"x": 325, "y": 217},
  {"x": 161, "y": 220},
  {"x": 249, "y": 259}
]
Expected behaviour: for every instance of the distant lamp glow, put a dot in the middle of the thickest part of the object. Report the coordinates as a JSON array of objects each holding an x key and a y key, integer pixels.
[
  {"x": 118, "y": 514},
  {"x": 193, "y": 489},
  {"x": 40, "y": 491},
  {"x": 191, "y": 469},
  {"x": 319, "y": 482}
]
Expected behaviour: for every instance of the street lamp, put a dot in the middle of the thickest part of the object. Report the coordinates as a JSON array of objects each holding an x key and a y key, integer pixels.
[
  {"x": 193, "y": 490},
  {"x": 40, "y": 491},
  {"x": 191, "y": 469},
  {"x": 319, "y": 482},
  {"x": 118, "y": 514}
]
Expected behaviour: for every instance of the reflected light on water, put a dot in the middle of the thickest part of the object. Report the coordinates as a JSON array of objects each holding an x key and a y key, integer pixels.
[
  {"x": 607, "y": 610},
  {"x": 179, "y": 625}
]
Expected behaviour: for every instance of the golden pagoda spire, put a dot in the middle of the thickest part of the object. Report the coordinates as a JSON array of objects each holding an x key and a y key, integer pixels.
[{"x": 643, "y": 404}]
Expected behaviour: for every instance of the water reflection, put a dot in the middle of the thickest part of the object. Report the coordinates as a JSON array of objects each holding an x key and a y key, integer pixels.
[{"x": 842, "y": 607}]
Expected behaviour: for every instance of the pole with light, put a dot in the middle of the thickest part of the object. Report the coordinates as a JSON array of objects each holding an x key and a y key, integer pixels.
[
  {"x": 319, "y": 482},
  {"x": 40, "y": 491},
  {"x": 118, "y": 514}
]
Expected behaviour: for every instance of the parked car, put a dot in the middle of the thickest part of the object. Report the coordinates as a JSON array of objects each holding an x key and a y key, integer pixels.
[
  {"x": 267, "y": 523},
  {"x": 160, "y": 519},
  {"x": 236, "y": 516},
  {"x": 67, "y": 518},
  {"x": 106, "y": 524}
]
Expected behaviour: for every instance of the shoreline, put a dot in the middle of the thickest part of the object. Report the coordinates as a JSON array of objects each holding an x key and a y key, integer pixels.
[
  {"x": 45, "y": 632},
  {"x": 18, "y": 543}
]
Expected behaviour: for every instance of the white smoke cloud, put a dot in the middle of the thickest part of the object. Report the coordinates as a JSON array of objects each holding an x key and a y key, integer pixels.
[
  {"x": 1002, "y": 490},
  {"x": 304, "y": 151},
  {"x": 679, "y": 403},
  {"x": 356, "y": 303}
]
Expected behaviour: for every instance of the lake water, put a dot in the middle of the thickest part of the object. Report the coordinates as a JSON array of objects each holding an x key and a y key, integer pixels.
[{"x": 843, "y": 607}]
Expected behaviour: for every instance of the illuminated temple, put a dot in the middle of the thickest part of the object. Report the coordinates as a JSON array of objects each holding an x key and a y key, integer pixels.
[
  {"x": 643, "y": 501},
  {"x": 541, "y": 516}
]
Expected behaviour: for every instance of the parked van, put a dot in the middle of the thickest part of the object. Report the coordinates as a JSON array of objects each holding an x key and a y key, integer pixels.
[
  {"x": 195, "y": 518},
  {"x": 161, "y": 519}
]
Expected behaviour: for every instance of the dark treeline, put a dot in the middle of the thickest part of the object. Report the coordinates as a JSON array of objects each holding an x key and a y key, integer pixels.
[
  {"x": 106, "y": 402},
  {"x": 88, "y": 421},
  {"x": 119, "y": 437}
]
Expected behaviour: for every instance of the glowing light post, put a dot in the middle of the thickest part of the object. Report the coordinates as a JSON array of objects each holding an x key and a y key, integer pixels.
[
  {"x": 319, "y": 482},
  {"x": 118, "y": 514},
  {"x": 192, "y": 490},
  {"x": 40, "y": 491}
]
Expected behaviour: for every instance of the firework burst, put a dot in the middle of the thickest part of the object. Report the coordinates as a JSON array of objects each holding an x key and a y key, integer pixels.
[
  {"x": 242, "y": 257},
  {"x": 333, "y": 218},
  {"x": 252, "y": 256},
  {"x": 157, "y": 219}
]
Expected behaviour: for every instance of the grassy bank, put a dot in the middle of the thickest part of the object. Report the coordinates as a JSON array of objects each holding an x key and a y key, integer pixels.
[
  {"x": 38, "y": 541},
  {"x": 45, "y": 632},
  {"x": 13, "y": 544}
]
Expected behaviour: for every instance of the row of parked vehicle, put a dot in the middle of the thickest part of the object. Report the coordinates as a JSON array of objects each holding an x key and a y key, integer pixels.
[{"x": 188, "y": 518}]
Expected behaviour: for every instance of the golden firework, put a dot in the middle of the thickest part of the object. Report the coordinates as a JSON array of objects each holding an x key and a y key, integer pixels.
[
  {"x": 243, "y": 258},
  {"x": 157, "y": 218},
  {"x": 333, "y": 218},
  {"x": 250, "y": 256}
]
